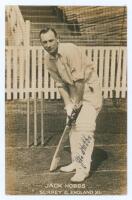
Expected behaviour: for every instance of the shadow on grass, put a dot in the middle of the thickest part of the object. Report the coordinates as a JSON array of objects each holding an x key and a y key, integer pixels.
[{"x": 98, "y": 156}]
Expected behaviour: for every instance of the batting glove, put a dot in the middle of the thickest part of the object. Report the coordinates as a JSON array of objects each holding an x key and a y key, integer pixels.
[
  {"x": 69, "y": 108},
  {"x": 74, "y": 114}
]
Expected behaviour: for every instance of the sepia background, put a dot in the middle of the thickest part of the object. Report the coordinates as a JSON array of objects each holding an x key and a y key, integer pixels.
[{"x": 34, "y": 111}]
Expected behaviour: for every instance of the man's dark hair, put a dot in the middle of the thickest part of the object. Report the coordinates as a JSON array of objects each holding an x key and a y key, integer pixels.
[{"x": 46, "y": 29}]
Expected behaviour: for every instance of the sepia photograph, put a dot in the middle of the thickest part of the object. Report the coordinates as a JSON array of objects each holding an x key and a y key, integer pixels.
[{"x": 65, "y": 100}]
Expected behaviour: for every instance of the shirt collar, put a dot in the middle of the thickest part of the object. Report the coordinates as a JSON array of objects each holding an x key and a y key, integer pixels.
[
  {"x": 60, "y": 52},
  {"x": 60, "y": 49}
]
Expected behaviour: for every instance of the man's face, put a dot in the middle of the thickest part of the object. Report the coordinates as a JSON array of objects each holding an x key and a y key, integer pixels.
[{"x": 49, "y": 42}]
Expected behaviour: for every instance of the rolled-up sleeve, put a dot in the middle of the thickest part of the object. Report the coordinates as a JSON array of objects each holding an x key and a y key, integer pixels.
[
  {"x": 60, "y": 84},
  {"x": 75, "y": 63}
]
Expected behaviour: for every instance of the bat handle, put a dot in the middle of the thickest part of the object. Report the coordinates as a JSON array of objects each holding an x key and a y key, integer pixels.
[{"x": 74, "y": 115}]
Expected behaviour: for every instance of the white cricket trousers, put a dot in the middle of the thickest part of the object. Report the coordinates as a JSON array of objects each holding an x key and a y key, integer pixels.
[{"x": 82, "y": 138}]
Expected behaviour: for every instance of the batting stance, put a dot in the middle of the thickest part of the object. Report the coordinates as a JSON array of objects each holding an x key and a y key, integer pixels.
[{"x": 78, "y": 85}]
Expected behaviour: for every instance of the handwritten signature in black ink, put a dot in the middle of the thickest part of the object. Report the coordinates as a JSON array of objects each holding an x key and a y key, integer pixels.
[{"x": 85, "y": 141}]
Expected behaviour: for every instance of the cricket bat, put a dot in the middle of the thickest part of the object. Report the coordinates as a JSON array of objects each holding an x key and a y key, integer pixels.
[{"x": 63, "y": 139}]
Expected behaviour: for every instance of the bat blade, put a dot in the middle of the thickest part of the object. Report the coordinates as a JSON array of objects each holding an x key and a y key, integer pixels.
[
  {"x": 64, "y": 137},
  {"x": 59, "y": 149}
]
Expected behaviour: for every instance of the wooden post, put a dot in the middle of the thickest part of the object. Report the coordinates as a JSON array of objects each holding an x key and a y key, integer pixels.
[
  {"x": 21, "y": 67},
  {"x": 124, "y": 74},
  {"x": 113, "y": 63},
  {"x": 15, "y": 73},
  {"x": 27, "y": 33},
  {"x": 35, "y": 119},
  {"x": 118, "y": 80},
  {"x": 27, "y": 75},
  {"x": 8, "y": 73},
  {"x": 42, "y": 119},
  {"x": 106, "y": 73},
  {"x": 101, "y": 59},
  {"x": 46, "y": 79},
  {"x": 39, "y": 81}
]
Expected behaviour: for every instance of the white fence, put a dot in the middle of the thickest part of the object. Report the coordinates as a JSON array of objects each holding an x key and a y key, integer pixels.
[{"x": 25, "y": 72}]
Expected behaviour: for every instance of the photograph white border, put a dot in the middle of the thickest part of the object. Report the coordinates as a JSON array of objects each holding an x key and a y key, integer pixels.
[{"x": 127, "y": 3}]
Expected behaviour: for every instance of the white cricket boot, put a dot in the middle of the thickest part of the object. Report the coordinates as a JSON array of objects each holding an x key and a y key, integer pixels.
[
  {"x": 80, "y": 176},
  {"x": 68, "y": 168}
]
